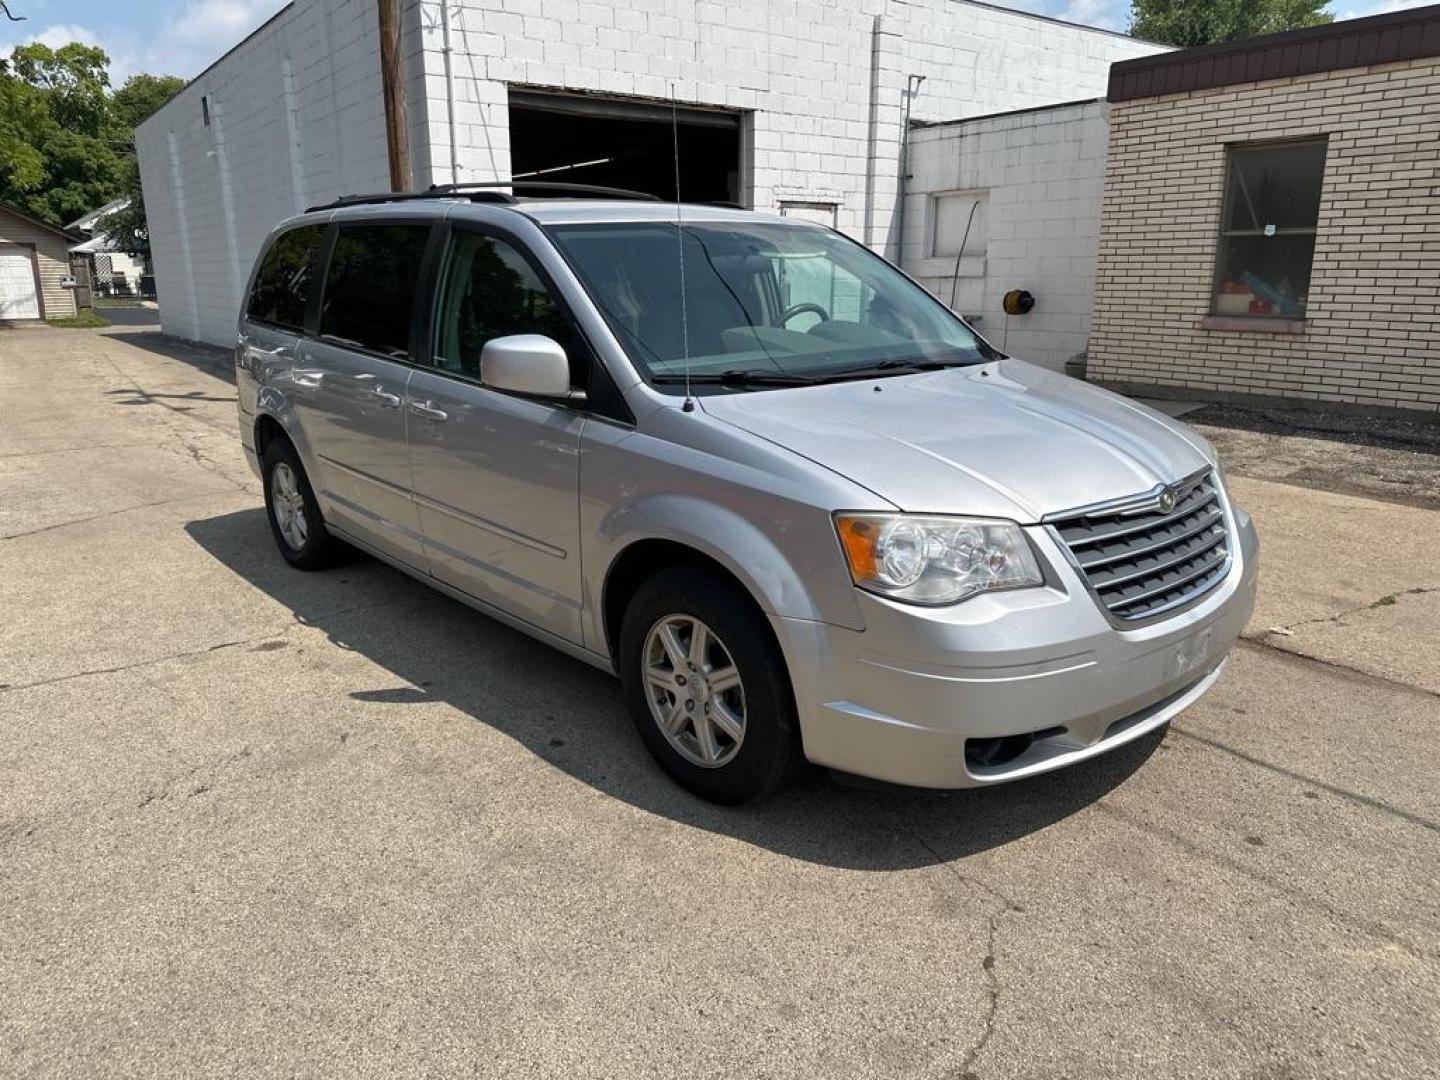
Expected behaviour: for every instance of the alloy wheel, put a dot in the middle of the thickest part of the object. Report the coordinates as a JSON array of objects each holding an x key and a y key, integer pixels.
[
  {"x": 694, "y": 690},
  {"x": 288, "y": 505}
]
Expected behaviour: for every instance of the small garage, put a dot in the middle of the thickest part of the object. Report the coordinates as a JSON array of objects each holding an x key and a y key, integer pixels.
[
  {"x": 625, "y": 143},
  {"x": 34, "y": 263}
]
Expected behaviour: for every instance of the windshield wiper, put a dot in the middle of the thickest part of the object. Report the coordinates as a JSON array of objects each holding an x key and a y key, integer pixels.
[
  {"x": 900, "y": 367},
  {"x": 738, "y": 378}
]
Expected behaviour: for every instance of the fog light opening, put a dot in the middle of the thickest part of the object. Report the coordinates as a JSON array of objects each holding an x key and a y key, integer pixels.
[{"x": 1000, "y": 750}]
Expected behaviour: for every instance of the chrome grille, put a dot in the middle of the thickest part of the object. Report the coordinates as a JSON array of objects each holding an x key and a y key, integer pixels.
[{"x": 1142, "y": 560}]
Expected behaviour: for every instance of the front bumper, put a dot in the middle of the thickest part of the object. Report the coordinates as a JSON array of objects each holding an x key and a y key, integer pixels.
[{"x": 1007, "y": 684}]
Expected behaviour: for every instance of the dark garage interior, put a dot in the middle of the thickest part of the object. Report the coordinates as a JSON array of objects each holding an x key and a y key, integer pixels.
[{"x": 593, "y": 140}]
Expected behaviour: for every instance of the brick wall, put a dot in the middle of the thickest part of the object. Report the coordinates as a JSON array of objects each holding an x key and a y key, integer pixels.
[
  {"x": 1372, "y": 330},
  {"x": 1042, "y": 174}
]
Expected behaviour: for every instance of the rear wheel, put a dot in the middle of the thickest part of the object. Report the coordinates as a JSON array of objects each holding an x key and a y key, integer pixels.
[
  {"x": 293, "y": 511},
  {"x": 708, "y": 687}
]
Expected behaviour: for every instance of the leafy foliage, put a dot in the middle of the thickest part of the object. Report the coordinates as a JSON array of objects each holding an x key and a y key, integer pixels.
[
  {"x": 67, "y": 142},
  {"x": 134, "y": 103},
  {"x": 1206, "y": 22}
]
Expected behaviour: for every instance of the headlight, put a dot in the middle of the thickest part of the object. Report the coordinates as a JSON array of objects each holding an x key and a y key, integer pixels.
[{"x": 935, "y": 560}]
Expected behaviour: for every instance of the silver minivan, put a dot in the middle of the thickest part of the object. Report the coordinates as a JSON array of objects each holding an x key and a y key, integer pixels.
[{"x": 797, "y": 505}]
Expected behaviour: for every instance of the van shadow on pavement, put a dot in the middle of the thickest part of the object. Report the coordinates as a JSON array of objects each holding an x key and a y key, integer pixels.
[{"x": 575, "y": 718}]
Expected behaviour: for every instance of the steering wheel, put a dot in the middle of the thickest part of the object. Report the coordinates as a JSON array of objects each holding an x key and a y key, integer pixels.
[{"x": 801, "y": 309}]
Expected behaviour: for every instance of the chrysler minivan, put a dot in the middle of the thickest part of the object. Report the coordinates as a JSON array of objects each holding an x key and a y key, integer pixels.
[{"x": 799, "y": 507}]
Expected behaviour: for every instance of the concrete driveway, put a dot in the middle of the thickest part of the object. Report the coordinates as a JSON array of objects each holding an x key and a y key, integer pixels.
[{"x": 261, "y": 823}]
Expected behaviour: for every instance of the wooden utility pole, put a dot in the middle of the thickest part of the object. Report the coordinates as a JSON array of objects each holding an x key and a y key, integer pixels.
[{"x": 392, "y": 80}]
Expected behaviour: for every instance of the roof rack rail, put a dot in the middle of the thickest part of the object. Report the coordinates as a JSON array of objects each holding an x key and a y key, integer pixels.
[
  {"x": 597, "y": 190},
  {"x": 485, "y": 191},
  {"x": 406, "y": 196}
]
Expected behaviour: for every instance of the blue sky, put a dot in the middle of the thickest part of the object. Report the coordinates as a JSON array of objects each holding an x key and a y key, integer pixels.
[{"x": 183, "y": 36}]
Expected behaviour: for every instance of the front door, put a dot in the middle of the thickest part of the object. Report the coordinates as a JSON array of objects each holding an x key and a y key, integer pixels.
[
  {"x": 496, "y": 476},
  {"x": 350, "y": 385}
]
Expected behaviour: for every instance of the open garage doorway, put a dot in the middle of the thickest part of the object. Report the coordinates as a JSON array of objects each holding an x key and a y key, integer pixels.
[{"x": 582, "y": 139}]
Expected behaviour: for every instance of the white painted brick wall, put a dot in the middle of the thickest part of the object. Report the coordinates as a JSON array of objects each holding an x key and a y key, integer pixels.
[
  {"x": 1045, "y": 174},
  {"x": 802, "y": 67}
]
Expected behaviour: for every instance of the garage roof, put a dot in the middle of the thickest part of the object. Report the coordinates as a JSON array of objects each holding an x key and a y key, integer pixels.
[
  {"x": 1380, "y": 39},
  {"x": 68, "y": 237}
]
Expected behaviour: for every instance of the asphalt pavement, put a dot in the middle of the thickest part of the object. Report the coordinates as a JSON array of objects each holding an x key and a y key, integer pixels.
[{"x": 257, "y": 823}]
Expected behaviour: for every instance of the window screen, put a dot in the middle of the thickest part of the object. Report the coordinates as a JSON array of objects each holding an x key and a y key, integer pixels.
[
  {"x": 370, "y": 286},
  {"x": 490, "y": 291},
  {"x": 282, "y": 286},
  {"x": 1267, "y": 229}
]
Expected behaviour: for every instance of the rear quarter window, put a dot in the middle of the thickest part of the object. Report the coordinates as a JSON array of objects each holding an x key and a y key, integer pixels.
[
  {"x": 370, "y": 286},
  {"x": 282, "y": 284}
]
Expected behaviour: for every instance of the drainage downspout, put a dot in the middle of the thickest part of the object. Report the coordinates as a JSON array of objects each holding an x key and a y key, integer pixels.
[
  {"x": 449, "y": 89},
  {"x": 912, "y": 87},
  {"x": 873, "y": 132}
]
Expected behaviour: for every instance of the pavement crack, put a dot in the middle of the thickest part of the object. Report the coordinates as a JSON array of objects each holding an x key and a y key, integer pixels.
[
  {"x": 296, "y": 619},
  {"x": 75, "y": 449},
  {"x": 1339, "y": 617},
  {"x": 964, "y": 1070},
  {"x": 111, "y": 513},
  {"x": 1367, "y": 926},
  {"x": 149, "y": 662},
  {"x": 1335, "y": 665},
  {"x": 1341, "y": 793}
]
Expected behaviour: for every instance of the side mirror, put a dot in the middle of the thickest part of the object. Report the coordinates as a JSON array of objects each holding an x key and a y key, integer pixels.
[{"x": 531, "y": 364}]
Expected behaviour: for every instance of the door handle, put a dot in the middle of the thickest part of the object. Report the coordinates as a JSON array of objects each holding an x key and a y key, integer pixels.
[
  {"x": 384, "y": 397},
  {"x": 428, "y": 410}
]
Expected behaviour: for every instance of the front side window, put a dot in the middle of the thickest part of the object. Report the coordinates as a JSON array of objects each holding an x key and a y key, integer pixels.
[
  {"x": 1267, "y": 229},
  {"x": 489, "y": 291},
  {"x": 282, "y": 284},
  {"x": 370, "y": 286},
  {"x": 763, "y": 302}
]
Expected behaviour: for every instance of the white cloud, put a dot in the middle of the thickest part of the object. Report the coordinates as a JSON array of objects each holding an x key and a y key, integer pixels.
[
  {"x": 200, "y": 33},
  {"x": 1376, "y": 7},
  {"x": 62, "y": 34},
  {"x": 186, "y": 41},
  {"x": 54, "y": 36},
  {"x": 1110, "y": 14}
]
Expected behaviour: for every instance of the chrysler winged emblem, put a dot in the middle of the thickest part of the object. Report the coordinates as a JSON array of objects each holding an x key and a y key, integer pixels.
[{"x": 1167, "y": 500}]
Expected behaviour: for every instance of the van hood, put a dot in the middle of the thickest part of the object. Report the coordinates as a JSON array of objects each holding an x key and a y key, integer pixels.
[{"x": 1004, "y": 439}]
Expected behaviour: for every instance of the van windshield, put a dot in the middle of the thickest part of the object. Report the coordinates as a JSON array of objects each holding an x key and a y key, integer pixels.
[{"x": 766, "y": 304}]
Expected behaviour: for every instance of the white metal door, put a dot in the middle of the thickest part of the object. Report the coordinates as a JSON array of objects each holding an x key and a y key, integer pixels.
[{"x": 18, "y": 298}]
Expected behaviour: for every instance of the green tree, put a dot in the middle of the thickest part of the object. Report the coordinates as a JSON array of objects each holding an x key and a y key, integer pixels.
[
  {"x": 134, "y": 103},
  {"x": 1206, "y": 22},
  {"x": 67, "y": 144},
  {"x": 137, "y": 100},
  {"x": 65, "y": 121},
  {"x": 22, "y": 112}
]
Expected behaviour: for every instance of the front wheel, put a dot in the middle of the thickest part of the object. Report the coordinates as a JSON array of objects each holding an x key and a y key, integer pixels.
[{"x": 708, "y": 687}]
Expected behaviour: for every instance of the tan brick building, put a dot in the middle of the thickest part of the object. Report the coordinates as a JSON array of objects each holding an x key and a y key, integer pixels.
[{"x": 1271, "y": 220}]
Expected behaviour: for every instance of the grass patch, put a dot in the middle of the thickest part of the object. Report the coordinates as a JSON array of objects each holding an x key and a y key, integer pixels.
[
  {"x": 86, "y": 320},
  {"x": 1384, "y": 601},
  {"x": 117, "y": 302}
]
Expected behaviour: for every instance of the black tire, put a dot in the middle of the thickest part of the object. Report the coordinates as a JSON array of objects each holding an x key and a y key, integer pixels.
[
  {"x": 769, "y": 755},
  {"x": 320, "y": 550}
]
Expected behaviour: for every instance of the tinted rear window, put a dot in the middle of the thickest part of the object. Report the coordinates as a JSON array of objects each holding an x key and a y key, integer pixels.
[
  {"x": 282, "y": 287},
  {"x": 370, "y": 286}
]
